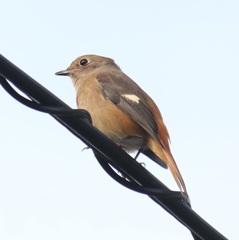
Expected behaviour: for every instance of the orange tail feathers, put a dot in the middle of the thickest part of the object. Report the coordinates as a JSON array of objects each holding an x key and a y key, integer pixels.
[{"x": 167, "y": 157}]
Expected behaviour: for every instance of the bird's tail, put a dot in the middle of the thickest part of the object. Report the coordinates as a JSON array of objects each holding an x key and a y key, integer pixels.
[{"x": 167, "y": 157}]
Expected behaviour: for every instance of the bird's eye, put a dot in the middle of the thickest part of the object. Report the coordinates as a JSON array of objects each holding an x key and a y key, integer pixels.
[{"x": 83, "y": 62}]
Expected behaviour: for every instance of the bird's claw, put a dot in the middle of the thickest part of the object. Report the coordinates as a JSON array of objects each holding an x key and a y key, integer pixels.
[
  {"x": 142, "y": 164},
  {"x": 85, "y": 148}
]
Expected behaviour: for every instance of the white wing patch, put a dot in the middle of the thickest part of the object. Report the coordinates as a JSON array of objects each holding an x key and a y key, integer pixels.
[{"x": 132, "y": 97}]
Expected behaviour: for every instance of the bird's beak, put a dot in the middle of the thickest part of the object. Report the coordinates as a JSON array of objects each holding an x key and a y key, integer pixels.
[{"x": 63, "y": 73}]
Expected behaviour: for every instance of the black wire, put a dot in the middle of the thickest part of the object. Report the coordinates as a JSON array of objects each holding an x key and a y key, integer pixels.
[
  {"x": 43, "y": 108},
  {"x": 82, "y": 129},
  {"x": 131, "y": 184}
]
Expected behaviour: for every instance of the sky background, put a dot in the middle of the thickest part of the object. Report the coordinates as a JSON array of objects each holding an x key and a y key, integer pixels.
[{"x": 184, "y": 54}]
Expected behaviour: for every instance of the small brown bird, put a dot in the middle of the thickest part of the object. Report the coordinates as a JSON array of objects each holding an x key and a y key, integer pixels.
[{"x": 122, "y": 110}]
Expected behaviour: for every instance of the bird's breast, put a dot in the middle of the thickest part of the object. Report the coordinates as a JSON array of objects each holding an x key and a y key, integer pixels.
[{"x": 110, "y": 120}]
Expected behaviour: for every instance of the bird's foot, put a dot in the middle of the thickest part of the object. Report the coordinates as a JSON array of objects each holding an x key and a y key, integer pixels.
[
  {"x": 142, "y": 164},
  {"x": 119, "y": 145},
  {"x": 85, "y": 148}
]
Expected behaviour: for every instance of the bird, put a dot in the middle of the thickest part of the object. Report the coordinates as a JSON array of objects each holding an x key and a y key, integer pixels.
[{"x": 122, "y": 110}]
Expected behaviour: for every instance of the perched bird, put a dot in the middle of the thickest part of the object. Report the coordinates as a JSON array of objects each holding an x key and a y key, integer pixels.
[{"x": 121, "y": 110}]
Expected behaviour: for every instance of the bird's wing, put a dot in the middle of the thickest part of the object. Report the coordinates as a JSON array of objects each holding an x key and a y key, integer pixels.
[{"x": 130, "y": 99}]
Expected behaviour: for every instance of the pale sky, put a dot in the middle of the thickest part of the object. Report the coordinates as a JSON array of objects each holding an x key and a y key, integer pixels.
[{"x": 184, "y": 54}]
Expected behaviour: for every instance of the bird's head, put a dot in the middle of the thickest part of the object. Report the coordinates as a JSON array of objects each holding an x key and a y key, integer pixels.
[{"x": 85, "y": 65}]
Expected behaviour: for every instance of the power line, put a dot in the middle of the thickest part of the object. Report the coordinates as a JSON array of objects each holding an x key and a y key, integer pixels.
[{"x": 110, "y": 157}]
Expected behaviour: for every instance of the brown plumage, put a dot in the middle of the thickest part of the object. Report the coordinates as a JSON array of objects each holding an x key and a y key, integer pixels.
[{"x": 122, "y": 110}]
